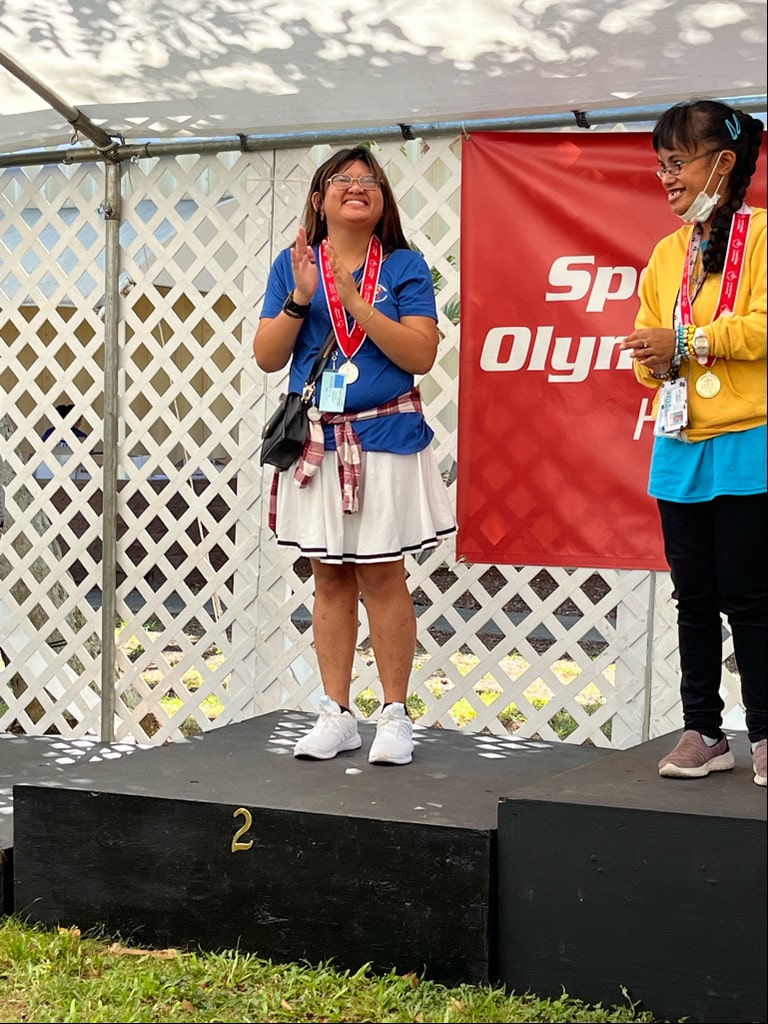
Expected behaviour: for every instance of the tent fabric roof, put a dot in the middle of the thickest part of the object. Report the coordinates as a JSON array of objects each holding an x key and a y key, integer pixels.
[{"x": 171, "y": 69}]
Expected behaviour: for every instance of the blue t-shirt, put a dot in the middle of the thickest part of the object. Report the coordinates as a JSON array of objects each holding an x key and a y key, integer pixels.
[
  {"x": 731, "y": 464},
  {"x": 76, "y": 432},
  {"x": 405, "y": 289}
]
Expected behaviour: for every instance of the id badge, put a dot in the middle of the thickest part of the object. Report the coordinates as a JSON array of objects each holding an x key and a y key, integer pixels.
[
  {"x": 333, "y": 391},
  {"x": 673, "y": 408}
]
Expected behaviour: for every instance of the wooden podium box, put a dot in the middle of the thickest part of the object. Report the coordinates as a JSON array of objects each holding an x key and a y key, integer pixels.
[
  {"x": 228, "y": 841},
  {"x": 656, "y": 886}
]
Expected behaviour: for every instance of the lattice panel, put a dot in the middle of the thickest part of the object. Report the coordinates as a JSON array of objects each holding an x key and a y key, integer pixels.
[
  {"x": 213, "y": 618},
  {"x": 49, "y": 235}
]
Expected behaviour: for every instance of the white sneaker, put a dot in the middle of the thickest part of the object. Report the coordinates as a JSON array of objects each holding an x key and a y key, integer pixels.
[
  {"x": 393, "y": 743},
  {"x": 335, "y": 730}
]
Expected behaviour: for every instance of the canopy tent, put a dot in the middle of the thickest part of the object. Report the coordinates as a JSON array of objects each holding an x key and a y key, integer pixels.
[
  {"x": 160, "y": 69},
  {"x": 94, "y": 81}
]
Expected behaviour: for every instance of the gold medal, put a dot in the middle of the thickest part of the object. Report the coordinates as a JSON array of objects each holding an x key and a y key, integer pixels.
[{"x": 707, "y": 385}]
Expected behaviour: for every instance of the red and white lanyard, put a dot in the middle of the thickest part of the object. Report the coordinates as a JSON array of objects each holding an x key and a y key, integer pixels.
[
  {"x": 350, "y": 341},
  {"x": 732, "y": 269}
]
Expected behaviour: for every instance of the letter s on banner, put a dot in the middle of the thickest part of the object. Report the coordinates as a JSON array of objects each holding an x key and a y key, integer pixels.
[{"x": 578, "y": 282}]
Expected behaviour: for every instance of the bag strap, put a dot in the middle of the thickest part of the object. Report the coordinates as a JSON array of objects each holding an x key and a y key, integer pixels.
[
  {"x": 321, "y": 361},
  {"x": 322, "y": 357}
]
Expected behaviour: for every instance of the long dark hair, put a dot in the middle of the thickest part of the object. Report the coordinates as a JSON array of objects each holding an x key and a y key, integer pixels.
[
  {"x": 388, "y": 228},
  {"x": 687, "y": 125}
]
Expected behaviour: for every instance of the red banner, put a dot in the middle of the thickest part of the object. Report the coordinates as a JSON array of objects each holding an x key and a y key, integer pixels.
[{"x": 555, "y": 432}]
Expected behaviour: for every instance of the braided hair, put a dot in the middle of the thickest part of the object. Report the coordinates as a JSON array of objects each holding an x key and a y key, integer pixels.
[{"x": 686, "y": 126}]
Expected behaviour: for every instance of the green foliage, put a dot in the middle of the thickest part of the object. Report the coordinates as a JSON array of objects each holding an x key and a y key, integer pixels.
[
  {"x": 367, "y": 702},
  {"x": 562, "y": 721},
  {"x": 416, "y": 706},
  {"x": 452, "y": 310},
  {"x": 58, "y": 975},
  {"x": 133, "y": 648}
]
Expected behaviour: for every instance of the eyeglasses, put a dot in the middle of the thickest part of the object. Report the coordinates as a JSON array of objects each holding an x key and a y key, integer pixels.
[
  {"x": 674, "y": 167},
  {"x": 369, "y": 182}
]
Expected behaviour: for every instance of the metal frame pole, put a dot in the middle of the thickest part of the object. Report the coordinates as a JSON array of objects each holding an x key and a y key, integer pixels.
[{"x": 112, "y": 212}]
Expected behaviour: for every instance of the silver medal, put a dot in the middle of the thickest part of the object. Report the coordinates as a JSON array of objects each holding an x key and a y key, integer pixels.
[{"x": 349, "y": 371}]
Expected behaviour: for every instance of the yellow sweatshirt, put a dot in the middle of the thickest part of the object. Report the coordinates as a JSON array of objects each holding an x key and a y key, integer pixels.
[{"x": 738, "y": 342}]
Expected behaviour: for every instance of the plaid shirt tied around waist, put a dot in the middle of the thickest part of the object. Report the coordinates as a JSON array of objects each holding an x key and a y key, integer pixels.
[{"x": 349, "y": 451}]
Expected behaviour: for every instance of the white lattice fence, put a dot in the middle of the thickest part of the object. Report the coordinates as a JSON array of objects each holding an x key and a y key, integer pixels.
[{"x": 212, "y": 617}]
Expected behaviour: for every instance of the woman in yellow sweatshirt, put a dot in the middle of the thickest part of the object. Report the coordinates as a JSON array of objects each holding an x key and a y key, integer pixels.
[{"x": 700, "y": 342}]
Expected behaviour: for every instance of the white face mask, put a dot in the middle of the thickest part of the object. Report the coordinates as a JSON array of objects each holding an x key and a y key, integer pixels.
[{"x": 702, "y": 206}]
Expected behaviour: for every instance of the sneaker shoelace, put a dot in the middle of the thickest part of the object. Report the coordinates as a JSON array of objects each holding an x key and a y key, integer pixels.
[
  {"x": 328, "y": 719},
  {"x": 392, "y": 724}
]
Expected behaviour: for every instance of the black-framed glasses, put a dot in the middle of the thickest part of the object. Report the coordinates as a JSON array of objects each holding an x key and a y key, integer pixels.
[
  {"x": 674, "y": 167},
  {"x": 367, "y": 181}
]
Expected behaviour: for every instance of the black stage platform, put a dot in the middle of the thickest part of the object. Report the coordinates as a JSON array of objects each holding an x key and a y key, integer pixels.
[
  {"x": 650, "y": 884},
  {"x": 38, "y": 759},
  {"x": 227, "y": 840},
  {"x": 465, "y": 864}
]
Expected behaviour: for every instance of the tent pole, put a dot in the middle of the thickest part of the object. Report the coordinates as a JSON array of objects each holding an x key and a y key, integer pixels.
[
  {"x": 649, "y": 648},
  {"x": 577, "y": 119},
  {"x": 105, "y": 149},
  {"x": 79, "y": 121},
  {"x": 112, "y": 213}
]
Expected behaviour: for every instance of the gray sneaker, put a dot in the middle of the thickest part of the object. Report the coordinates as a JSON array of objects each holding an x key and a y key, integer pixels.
[
  {"x": 759, "y": 762},
  {"x": 692, "y": 758},
  {"x": 335, "y": 730}
]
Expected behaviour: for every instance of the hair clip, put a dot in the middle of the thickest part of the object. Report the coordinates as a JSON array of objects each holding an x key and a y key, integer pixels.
[{"x": 735, "y": 128}]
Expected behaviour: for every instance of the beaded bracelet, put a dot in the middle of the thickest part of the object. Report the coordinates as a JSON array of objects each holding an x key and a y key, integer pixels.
[
  {"x": 689, "y": 341},
  {"x": 674, "y": 369},
  {"x": 670, "y": 374},
  {"x": 684, "y": 341}
]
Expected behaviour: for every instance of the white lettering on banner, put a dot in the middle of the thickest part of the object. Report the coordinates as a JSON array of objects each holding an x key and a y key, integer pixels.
[
  {"x": 644, "y": 417},
  {"x": 508, "y": 348},
  {"x": 579, "y": 283}
]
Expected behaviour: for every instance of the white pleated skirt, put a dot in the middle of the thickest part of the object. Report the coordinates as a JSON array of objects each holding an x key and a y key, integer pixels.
[{"x": 404, "y": 507}]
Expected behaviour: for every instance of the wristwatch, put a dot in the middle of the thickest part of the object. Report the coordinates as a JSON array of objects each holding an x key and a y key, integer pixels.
[
  {"x": 295, "y": 309},
  {"x": 700, "y": 343}
]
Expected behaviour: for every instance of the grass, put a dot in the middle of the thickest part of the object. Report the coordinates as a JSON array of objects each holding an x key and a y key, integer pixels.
[{"x": 61, "y": 975}]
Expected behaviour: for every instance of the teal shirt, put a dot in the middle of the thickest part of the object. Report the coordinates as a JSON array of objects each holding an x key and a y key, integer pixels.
[{"x": 727, "y": 464}]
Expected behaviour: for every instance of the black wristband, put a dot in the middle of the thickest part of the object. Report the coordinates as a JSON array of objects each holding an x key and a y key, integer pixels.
[{"x": 294, "y": 309}]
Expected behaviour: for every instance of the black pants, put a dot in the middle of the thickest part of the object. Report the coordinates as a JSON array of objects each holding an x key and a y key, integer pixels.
[{"x": 716, "y": 551}]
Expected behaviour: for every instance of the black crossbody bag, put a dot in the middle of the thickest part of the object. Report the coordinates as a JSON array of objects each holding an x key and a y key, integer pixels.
[{"x": 285, "y": 433}]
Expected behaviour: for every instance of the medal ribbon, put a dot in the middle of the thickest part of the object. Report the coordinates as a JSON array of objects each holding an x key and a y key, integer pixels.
[
  {"x": 350, "y": 341},
  {"x": 732, "y": 269}
]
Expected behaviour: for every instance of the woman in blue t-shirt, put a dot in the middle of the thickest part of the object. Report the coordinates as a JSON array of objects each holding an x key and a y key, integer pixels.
[{"x": 367, "y": 488}]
